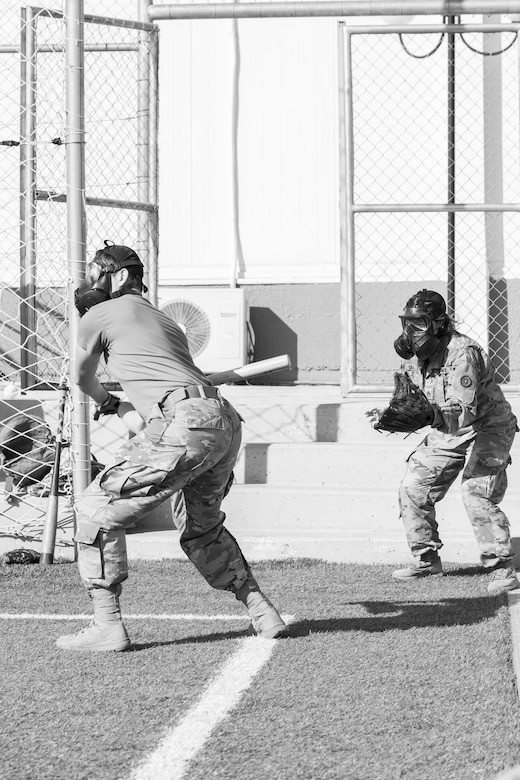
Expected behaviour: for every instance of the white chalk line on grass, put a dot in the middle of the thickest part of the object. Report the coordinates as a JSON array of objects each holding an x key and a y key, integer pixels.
[
  {"x": 183, "y": 741},
  {"x": 179, "y": 616}
]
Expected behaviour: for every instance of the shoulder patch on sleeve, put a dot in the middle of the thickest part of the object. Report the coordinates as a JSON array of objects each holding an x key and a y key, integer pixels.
[{"x": 464, "y": 383}]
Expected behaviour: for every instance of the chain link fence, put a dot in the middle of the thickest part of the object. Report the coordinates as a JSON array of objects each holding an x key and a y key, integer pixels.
[
  {"x": 432, "y": 132},
  {"x": 432, "y": 167},
  {"x": 120, "y": 73}
]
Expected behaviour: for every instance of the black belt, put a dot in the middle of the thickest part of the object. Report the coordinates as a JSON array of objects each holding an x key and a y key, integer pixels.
[{"x": 192, "y": 391}]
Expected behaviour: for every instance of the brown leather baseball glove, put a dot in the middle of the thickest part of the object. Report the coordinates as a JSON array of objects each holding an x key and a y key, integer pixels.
[{"x": 408, "y": 410}]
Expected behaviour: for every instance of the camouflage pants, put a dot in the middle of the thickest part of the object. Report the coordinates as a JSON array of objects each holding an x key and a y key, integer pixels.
[
  {"x": 433, "y": 467},
  {"x": 191, "y": 448}
]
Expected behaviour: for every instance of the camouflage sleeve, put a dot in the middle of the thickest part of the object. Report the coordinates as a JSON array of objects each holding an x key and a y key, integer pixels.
[{"x": 460, "y": 407}]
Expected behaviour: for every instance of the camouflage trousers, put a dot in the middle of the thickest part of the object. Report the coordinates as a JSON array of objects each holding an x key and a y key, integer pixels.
[
  {"x": 189, "y": 450},
  {"x": 433, "y": 467}
]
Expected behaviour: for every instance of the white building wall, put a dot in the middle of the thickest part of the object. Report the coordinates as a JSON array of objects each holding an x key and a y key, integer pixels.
[{"x": 287, "y": 151}]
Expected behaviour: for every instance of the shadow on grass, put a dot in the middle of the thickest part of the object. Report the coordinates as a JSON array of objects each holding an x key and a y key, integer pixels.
[
  {"x": 468, "y": 571},
  {"x": 380, "y": 616},
  {"x": 217, "y": 636},
  {"x": 404, "y": 615}
]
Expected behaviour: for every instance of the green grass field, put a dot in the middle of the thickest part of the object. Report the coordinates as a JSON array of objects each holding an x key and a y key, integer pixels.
[{"x": 376, "y": 679}]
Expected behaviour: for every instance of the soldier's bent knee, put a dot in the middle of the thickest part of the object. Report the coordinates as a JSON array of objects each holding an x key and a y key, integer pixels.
[{"x": 102, "y": 558}]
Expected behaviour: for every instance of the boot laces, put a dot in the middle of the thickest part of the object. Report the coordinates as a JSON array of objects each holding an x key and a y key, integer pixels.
[
  {"x": 502, "y": 573},
  {"x": 86, "y": 628}
]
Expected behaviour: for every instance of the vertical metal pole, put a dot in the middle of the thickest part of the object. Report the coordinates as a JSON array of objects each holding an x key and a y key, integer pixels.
[
  {"x": 143, "y": 149},
  {"x": 28, "y": 346},
  {"x": 237, "y": 263},
  {"x": 153, "y": 219},
  {"x": 497, "y": 304},
  {"x": 450, "y": 301},
  {"x": 76, "y": 224},
  {"x": 346, "y": 202}
]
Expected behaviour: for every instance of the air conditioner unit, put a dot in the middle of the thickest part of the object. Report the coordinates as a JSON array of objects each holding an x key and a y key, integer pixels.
[{"x": 215, "y": 321}]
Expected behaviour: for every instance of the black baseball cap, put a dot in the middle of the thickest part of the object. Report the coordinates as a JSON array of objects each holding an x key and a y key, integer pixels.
[{"x": 122, "y": 257}]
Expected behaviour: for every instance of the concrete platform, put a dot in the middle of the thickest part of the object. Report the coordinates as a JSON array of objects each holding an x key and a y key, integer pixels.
[{"x": 313, "y": 480}]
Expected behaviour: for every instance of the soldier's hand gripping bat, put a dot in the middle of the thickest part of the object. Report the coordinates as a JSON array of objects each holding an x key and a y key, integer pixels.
[{"x": 135, "y": 423}]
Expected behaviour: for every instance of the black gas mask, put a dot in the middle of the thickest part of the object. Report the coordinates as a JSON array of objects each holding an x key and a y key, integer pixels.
[
  {"x": 97, "y": 287},
  {"x": 423, "y": 317}
]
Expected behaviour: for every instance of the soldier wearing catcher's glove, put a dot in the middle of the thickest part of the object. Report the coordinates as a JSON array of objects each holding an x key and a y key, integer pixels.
[
  {"x": 472, "y": 430},
  {"x": 408, "y": 410}
]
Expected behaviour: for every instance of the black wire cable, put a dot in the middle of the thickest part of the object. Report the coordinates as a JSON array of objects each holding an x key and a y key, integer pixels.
[
  {"x": 420, "y": 56},
  {"x": 489, "y": 53},
  {"x": 461, "y": 34}
]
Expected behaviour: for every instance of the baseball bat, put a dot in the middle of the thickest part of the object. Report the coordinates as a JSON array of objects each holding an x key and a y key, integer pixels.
[
  {"x": 135, "y": 423},
  {"x": 250, "y": 369},
  {"x": 51, "y": 515}
]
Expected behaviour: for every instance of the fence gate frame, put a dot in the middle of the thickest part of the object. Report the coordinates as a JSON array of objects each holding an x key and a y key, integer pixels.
[
  {"x": 76, "y": 197},
  {"x": 349, "y": 208}
]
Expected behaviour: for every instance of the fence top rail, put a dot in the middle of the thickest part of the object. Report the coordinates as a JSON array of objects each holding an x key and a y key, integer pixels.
[
  {"x": 432, "y": 28},
  {"x": 333, "y": 8},
  {"x": 109, "y": 21},
  {"x": 378, "y": 208}
]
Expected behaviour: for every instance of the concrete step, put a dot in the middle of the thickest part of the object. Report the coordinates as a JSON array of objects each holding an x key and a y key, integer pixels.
[
  {"x": 335, "y": 464},
  {"x": 321, "y": 463},
  {"x": 376, "y": 546},
  {"x": 314, "y": 480},
  {"x": 285, "y": 521},
  {"x": 278, "y": 415},
  {"x": 280, "y": 522},
  {"x": 296, "y": 508}
]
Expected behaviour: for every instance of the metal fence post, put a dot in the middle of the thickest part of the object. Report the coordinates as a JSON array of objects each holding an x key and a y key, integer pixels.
[
  {"x": 76, "y": 227},
  {"x": 28, "y": 349},
  {"x": 347, "y": 242}
]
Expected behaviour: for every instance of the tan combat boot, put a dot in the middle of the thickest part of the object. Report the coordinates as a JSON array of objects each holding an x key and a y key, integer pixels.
[
  {"x": 503, "y": 578},
  {"x": 429, "y": 563},
  {"x": 106, "y": 631},
  {"x": 266, "y": 621}
]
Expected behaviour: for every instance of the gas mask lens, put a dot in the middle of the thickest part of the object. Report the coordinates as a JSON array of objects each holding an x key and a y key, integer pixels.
[
  {"x": 94, "y": 289},
  {"x": 92, "y": 273},
  {"x": 413, "y": 325}
]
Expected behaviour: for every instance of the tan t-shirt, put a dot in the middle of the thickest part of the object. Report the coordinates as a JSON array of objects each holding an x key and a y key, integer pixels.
[{"x": 144, "y": 349}]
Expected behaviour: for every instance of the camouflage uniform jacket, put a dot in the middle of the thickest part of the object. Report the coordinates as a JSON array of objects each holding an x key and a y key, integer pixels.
[{"x": 459, "y": 381}]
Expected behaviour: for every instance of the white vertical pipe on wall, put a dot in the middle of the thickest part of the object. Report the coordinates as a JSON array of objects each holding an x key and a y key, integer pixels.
[
  {"x": 153, "y": 218},
  {"x": 237, "y": 264},
  {"x": 493, "y": 164},
  {"x": 28, "y": 356},
  {"x": 497, "y": 314},
  {"x": 76, "y": 223},
  {"x": 143, "y": 149},
  {"x": 346, "y": 217}
]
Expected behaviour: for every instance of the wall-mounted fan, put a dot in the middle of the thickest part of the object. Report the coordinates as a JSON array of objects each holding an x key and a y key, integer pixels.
[
  {"x": 193, "y": 321},
  {"x": 215, "y": 320}
]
